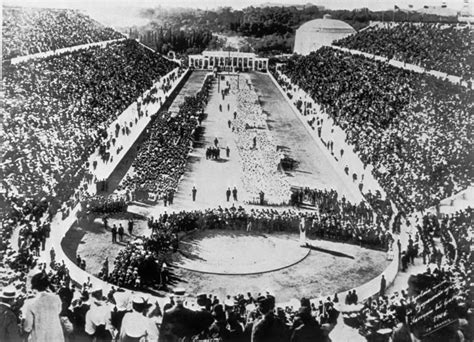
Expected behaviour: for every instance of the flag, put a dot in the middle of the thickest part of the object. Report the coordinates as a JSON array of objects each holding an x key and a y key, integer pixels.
[
  {"x": 410, "y": 6},
  {"x": 426, "y": 6},
  {"x": 396, "y": 7}
]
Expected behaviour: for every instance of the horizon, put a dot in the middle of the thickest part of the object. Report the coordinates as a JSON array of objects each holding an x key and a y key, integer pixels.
[{"x": 100, "y": 5}]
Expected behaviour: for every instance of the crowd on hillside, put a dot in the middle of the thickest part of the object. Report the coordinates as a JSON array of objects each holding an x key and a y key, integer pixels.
[
  {"x": 433, "y": 46},
  {"x": 27, "y": 31},
  {"x": 413, "y": 129},
  {"x": 257, "y": 149},
  {"x": 162, "y": 156}
]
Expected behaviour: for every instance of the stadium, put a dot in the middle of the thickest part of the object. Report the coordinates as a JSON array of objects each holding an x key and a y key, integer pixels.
[{"x": 276, "y": 173}]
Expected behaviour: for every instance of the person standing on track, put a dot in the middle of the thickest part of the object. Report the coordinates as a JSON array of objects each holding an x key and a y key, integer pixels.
[{"x": 114, "y": 234}]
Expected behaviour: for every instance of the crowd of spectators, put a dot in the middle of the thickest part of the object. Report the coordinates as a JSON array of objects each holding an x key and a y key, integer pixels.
[
  {"x": 27, "y": 31},
  {"x": 71, "y": 312},
  {"x": 161, "y": 157},
  {"x": 413, "y": 129},
  {"x": 447, "y": 281},
  {"x": 56, "y": 111},
  {"x": 374, "y": 208},
  {"x": 57, "y": 108},
  {"x": 243, "y": 318},
  {"x": 142, "y": 264},
  {"x": 345, "y": 226},
  {"x": 434, "y": 46}
]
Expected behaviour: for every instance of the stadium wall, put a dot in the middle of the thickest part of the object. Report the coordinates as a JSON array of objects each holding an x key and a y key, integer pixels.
[
  {"x": 20, "y": 59},
  {"x": 412, "y": 67},
  {"x": 104, "y": 171}
]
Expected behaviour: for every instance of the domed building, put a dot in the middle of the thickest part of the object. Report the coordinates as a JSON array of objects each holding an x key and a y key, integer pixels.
[{"x": 320, "y": 32}]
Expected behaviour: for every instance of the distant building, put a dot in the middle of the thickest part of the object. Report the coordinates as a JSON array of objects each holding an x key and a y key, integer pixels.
[
  {"x": 466, "y": 14},
  {"x": 228, "y": 61},
  {"x": 320, "y": 32}
]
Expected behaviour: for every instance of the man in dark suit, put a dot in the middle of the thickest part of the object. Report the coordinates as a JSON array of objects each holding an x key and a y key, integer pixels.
[
  {"x": 121, "y": 232},
  {"x": 309, "y": 329},
  {"x": 114, "y": 234},
  {"x": 9, "y": 330},
  {"x": 269, "y": 328},
  {"x": 203, "y": 317},
  {"x": 178, "y": 322}
]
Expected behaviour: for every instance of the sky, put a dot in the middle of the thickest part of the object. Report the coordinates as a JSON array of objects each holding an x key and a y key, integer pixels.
[
  {"x": 125, "y": 13},
  {"x": 133, "y": 4}
]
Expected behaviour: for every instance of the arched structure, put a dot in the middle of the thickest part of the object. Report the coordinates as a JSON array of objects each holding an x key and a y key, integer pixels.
[
  {"x": 228, "y": 61},
  {"x": 320, "y": 32}
]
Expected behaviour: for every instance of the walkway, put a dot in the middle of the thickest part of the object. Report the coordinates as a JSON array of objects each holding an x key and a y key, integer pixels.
[
  {"x": 316, "y": 167},
  {"x": 330, "y": 132},
  {"x": 21, "y": 59},
  {"x": 212, "y": 177},
  {"x": 105, "y": 168},
  {"x": 412, "y": 67}
]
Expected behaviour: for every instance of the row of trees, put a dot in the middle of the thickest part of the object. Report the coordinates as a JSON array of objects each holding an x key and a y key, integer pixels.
[
  {"x": 191, "y": 41},
  {"x": 270, "y": 29},
  {"x": 262, "y": 21}
]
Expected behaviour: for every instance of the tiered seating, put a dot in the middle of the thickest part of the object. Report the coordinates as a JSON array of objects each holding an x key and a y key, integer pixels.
[
  {"x": 414, "y": 129},
  {"x": 27, "y": 31},
  {"x": 439, "y": 47},
  {"x": 55, "y": 113},
  {"x": 161, "y": 158},
  {"x": 56, "y": 110}
]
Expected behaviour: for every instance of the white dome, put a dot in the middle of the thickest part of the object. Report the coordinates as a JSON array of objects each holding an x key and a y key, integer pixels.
[
  {"x": 320, "y": 32},
  {"x": 325, "y": 25}
]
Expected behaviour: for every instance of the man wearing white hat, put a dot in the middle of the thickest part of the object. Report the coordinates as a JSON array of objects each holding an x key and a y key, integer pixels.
[
  {"x": 136, "y": 326},
  {"x": 9, "y": 331},
  {"x": 99, "y": 318},
  {"x": 122, "y": 300}
]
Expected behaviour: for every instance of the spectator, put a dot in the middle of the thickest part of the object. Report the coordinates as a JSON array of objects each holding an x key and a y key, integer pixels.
[
  {"x": 435, "y": 46},
  {"x": 136, "y": 325},
  {"x": 98, "y": 322},
  {"x": 9, "y": 330},
  {"x": 413, "y": 112},
  {"x": 42, "y": 312},
  {"x": 33, "y": 30}
]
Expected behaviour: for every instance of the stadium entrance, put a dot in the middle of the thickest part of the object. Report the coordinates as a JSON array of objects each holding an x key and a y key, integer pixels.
[{"x": 228, "y": 61}]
